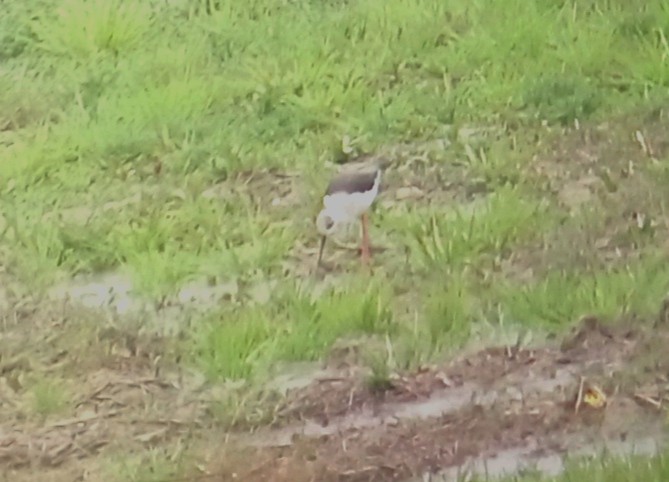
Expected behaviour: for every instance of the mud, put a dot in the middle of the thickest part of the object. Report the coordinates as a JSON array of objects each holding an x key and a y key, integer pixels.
[{"x": 497, "y": 411}]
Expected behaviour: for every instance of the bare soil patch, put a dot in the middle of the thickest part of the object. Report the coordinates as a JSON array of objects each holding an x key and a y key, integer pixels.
[
  {"x": 606, "y": 179},
  {"x": 121, "y": 392},
  {"x": 478, "y": 405},
  {"x": 339, "y": 427}
]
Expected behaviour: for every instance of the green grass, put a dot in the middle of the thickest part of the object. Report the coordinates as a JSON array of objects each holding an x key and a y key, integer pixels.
[
  {"x": 563, "y": 297},
  {"x": 294, "y": 325},
  {"x": 435, "y": 238},
  {"x": 116, "y": 117},
  {"x": 153, "y": 465},
  {"x": 48, "y": 397},
  {"x": 607, "y": 469}
]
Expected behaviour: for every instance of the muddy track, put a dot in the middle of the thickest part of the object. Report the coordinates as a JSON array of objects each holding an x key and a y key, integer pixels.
[
  {"x": 493, "y": 410},
  {"x": 517, "y": 405}
]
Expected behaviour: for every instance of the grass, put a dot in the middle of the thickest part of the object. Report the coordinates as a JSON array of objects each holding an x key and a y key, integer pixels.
[
  {"x": 119, "y": 119},
  {"x": 153, "y": 466},
  {"x": 49, "y": 397},
  {"x": 609, "y": 469},
  {"x": 567, "y": 296},
  {"x": 293, "y": 325},
  {"x": 463, "y": 238}
]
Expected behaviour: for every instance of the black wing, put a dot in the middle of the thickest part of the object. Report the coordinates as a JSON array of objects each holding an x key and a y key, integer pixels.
[{"x": 352, "y": 182}]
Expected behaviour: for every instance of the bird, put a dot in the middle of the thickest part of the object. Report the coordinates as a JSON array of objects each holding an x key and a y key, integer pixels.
[{"x": 348, "y": 197}]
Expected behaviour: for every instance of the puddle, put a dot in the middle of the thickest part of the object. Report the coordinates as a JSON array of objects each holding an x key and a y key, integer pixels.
[
  {"x": 516, "y": 461},
  {"x": 506, "y": 463},
  {"x": 441, "y": 402},
  {"x": 114, "y": 293},
  {"x": 548, "y": 453}
]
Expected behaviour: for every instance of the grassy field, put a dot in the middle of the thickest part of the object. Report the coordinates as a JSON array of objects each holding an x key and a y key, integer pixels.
[{"x": 177, "y": 142}]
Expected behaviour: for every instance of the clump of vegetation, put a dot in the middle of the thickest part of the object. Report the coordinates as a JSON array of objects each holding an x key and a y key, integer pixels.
[
  {"x": 175, "y": 142},
  {"x": 121, "y": 119}
]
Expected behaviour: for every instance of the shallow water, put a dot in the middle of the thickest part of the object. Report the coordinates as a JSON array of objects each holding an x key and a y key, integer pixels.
[
  {"x": 441, "y": 402},
  {"x": 515, "y": 461}
]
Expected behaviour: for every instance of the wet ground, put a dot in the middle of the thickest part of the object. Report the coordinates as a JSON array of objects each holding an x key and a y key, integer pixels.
[
  {"x": 496, "y": 408},
  {"x": 495, "y": 411},
  {"x": 499, "y": 410}
]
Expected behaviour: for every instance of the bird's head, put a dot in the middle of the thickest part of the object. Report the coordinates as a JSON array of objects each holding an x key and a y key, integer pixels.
[{"x": 326, "y": 223}]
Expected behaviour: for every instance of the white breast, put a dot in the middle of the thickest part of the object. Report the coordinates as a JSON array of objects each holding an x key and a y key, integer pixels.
[{"x": 349, "y": 206}]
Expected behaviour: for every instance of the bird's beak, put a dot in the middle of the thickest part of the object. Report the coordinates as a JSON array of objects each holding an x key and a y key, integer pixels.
[{"x": 320, "y": 251}]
